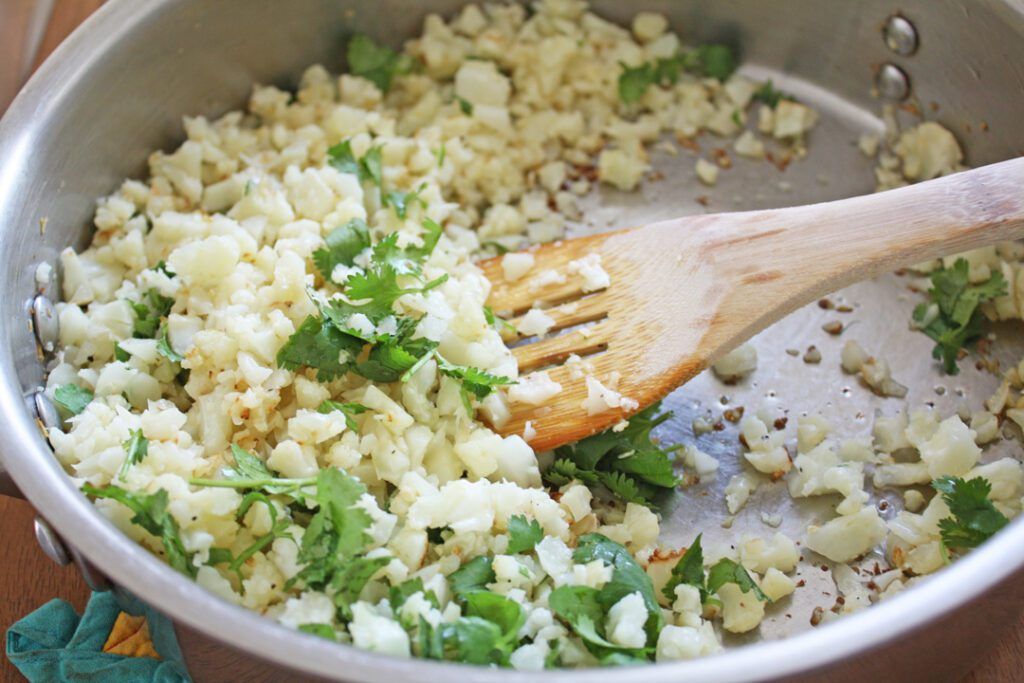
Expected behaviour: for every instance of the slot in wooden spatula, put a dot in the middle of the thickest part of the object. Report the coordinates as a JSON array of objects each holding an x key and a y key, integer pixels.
[{"x": 686, "y": 291}]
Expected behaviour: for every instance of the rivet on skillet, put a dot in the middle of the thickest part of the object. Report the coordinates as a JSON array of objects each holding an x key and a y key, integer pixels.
[
  {"x": 44, "y": 323},
  {"x": 50, "y": 542},
  {"x": 892, "y": 82},
  {"x": 46, "y": 411},
  {"x": 900, "y": 35}
]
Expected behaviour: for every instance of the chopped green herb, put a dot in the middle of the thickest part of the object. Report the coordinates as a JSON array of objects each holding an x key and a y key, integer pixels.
[
  {"x": 472, "y": 576},
  {"x": 688, "y": 570},
  {"x": 321, "y": 630},
  {"x": 161, "y": 267},
  {"x": 504, "y": 612},
  {"x": 440, "y": 155},
  {"x": 627, "y": 463},
  {"x": 336, "y": 534},
  {"x": 342, "y": 246},
  {"x": 120, "y": 354},
  {"x": 475, "y": 381},
  {"x": 768, "y": 94},
  {"x": 974, "y": 518},
  {"x": 377, "y": 63},
  {"x": 397, "y": 595},
  {"x": 401, "y": 201},
  {"x": 342, "y": 158},
  {"x": 582, "y": 609},
  {"x": 251, "y": 473},
  {"x": 956, "y": 321},
  {"x": 370, "y": 166},
  {"x": 72, "y": 398},
  {"x": 627, "y": 577},
  {"x": 496, "y": 321},
  {"x": 465, "y": 106},
  {"x": 320, "y": 345},
  {"x": 151, "y": 513},
  {"x": 349, "y": 410},
  {"x": 149, "y": 312},
  {"x": 728, "y": 571},
  {"x": 349, "y": 578},
  {"x": 136, "y": 448},
  {"x": 712, "y": 61},
  {"x": 164, "y": 348},
  {"x": 523, "y": 534}
]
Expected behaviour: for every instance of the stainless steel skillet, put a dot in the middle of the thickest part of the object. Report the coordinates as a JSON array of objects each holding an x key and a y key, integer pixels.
[{"x": 120, "y": 85}]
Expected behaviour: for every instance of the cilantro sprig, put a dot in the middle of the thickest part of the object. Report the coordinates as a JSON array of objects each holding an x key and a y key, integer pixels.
[
  {"x": 252, "y": 474},
  {"x": 523, "y": 534},
  {"x": 367, "y": 169},
  {"x": 974, "y": 518},
  {"x": 956, "y": 320},
  {"x": 627, "y": 463},
  {"x": 152, "y": 514},
  {"x": 136, "y": 448},
  {"x": 770, "y": 95}
]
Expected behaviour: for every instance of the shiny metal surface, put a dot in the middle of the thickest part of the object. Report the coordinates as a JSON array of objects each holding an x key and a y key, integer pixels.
[
  {"x": 900, "y": 35},
  {"x": 892, "y": 82},
  {"x": 50, "y": 542},
  {"x": 63, "y": 143},
  {"x": 44, "y": 323}
]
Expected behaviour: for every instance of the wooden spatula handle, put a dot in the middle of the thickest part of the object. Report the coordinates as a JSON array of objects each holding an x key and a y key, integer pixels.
[{"x": 771, "y": 262}]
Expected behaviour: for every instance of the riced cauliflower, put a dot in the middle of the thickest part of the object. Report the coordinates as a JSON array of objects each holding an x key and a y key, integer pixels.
[{"x": 278, "y": 371}]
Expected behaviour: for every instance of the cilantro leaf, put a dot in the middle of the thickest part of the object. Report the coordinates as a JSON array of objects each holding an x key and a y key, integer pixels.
[
  {"x": 634, "y": 81},
  {"x": 248, "y": 466},
  {"x": 504, "y": 612},
  {"x": 348, "y": 409},
  {"x": 959, "y": 321},
  {"x": 689, "y": 570},
  {"x": 349, "y": 579},
  {"x": 149, "y": 312},
  {"x": 319, "y": 346},
  {"x": 120, "y": 354},
  {"x": 711, "y": 61},
  {"x": 627, "y": 576},
  {"x": 395, "y": 359},
  {"x": 728, "y": 571},
  {"x": 164, "y": 348},
  {"x": 496, "y": 321},
  {"x": 151, "y": 513},
  {"x": 768, "y": 94},
  {"x": 321, "y": 630},
  {"x": 371, "y": 166},
  {"x": 582, "y": 609},
  {"x": 523, "y": 534},
  {"x": 397, "y": 595},
  {"x": 429, "y": 640},
  {"x": 342, "y": 158},
  {"x": 628, "y": 462},
  {"x": 475, "y": 641},
  {"x": 475, "y": 381},
  {"x": 472, "y": 576},
  {"x": 400, "y": 200},
  {"x": 465, "y": 106},
  {"x": 342, "y": 246},
  {"x": 975, "y": 519},
  {"x": 336, "y": 533},
  {"x": 376, "y": 63},
  {"x": 72, "y": 398},
  {"x": 136, "y": 448}
]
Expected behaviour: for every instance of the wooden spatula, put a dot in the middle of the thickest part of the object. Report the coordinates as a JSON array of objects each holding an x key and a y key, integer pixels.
[{"x": 686, "y": 291}]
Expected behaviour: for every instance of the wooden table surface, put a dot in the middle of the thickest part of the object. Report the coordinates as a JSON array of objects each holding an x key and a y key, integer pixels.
[{"x": 28, "y": 578}]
